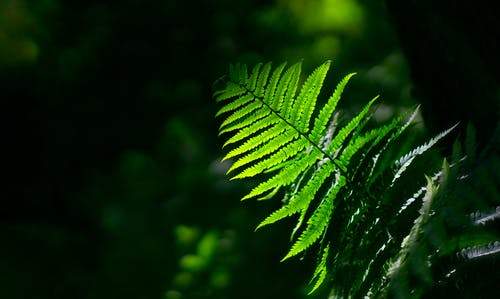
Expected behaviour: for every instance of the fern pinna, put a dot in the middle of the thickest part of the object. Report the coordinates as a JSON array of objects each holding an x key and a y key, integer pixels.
[{"x": 334, "y": 175}]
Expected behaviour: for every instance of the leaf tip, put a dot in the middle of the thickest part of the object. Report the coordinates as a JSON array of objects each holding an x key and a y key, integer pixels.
[
  {"x": 246, "y": 197},
  {"x": 287, "y": 256}
]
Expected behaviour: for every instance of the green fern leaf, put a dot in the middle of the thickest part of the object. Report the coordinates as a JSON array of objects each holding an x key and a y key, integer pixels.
[
  {"x": 270, "y": 147},
  {"x": 232, "y": 90},
  {"x": 286, "y": 176},
  {"x": 320, "y": 123},
  {"x": 235, "y": 104},
  {"x": 256, "y": 140},
  {"x": 252, "y": 81},
  {"x": 272, "y": 85},
  {"x": 321, "y": 271},
  {"x": 244, "y": 113},
  {"x": 318, "y": 221},
  {"x": 250, "y": 130},
  {"x": 356, "y": 145},
  {"x": 261, "y": 82},
  {"x": 301, "y": 200},
  {"x": 275, "y": 159},
  {"x": 290, "y": 91},
  {"x": 275, "y": 101},
  {"x": 337, "y": 142},
  {"x": 306, "y": 100}
]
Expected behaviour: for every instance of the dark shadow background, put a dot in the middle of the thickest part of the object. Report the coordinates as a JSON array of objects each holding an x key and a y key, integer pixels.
[{"x": 114, "y": 187}]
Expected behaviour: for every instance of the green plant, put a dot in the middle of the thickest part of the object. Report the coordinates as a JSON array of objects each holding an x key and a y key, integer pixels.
[{"x": 340, "y": 178}]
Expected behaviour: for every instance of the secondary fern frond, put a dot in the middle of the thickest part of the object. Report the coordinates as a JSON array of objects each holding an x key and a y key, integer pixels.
[
  {"x": 405, "y": 161},
  {"x": 479, "y": 218}
]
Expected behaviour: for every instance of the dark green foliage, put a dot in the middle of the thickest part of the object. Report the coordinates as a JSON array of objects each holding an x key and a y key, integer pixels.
[
  {"x": 341, "y": 179},
  {"x": 459, "y": 241}
]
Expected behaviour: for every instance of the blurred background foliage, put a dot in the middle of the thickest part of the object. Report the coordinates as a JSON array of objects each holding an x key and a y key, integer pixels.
[{"x": 115, "y": 186}]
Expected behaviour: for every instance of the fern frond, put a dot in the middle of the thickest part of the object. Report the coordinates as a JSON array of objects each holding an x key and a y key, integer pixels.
[{"x": 326, "y": 168}]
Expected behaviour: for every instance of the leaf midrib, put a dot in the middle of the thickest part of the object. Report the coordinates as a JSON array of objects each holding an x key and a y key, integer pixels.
[{"x": 301, "y": 134}]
